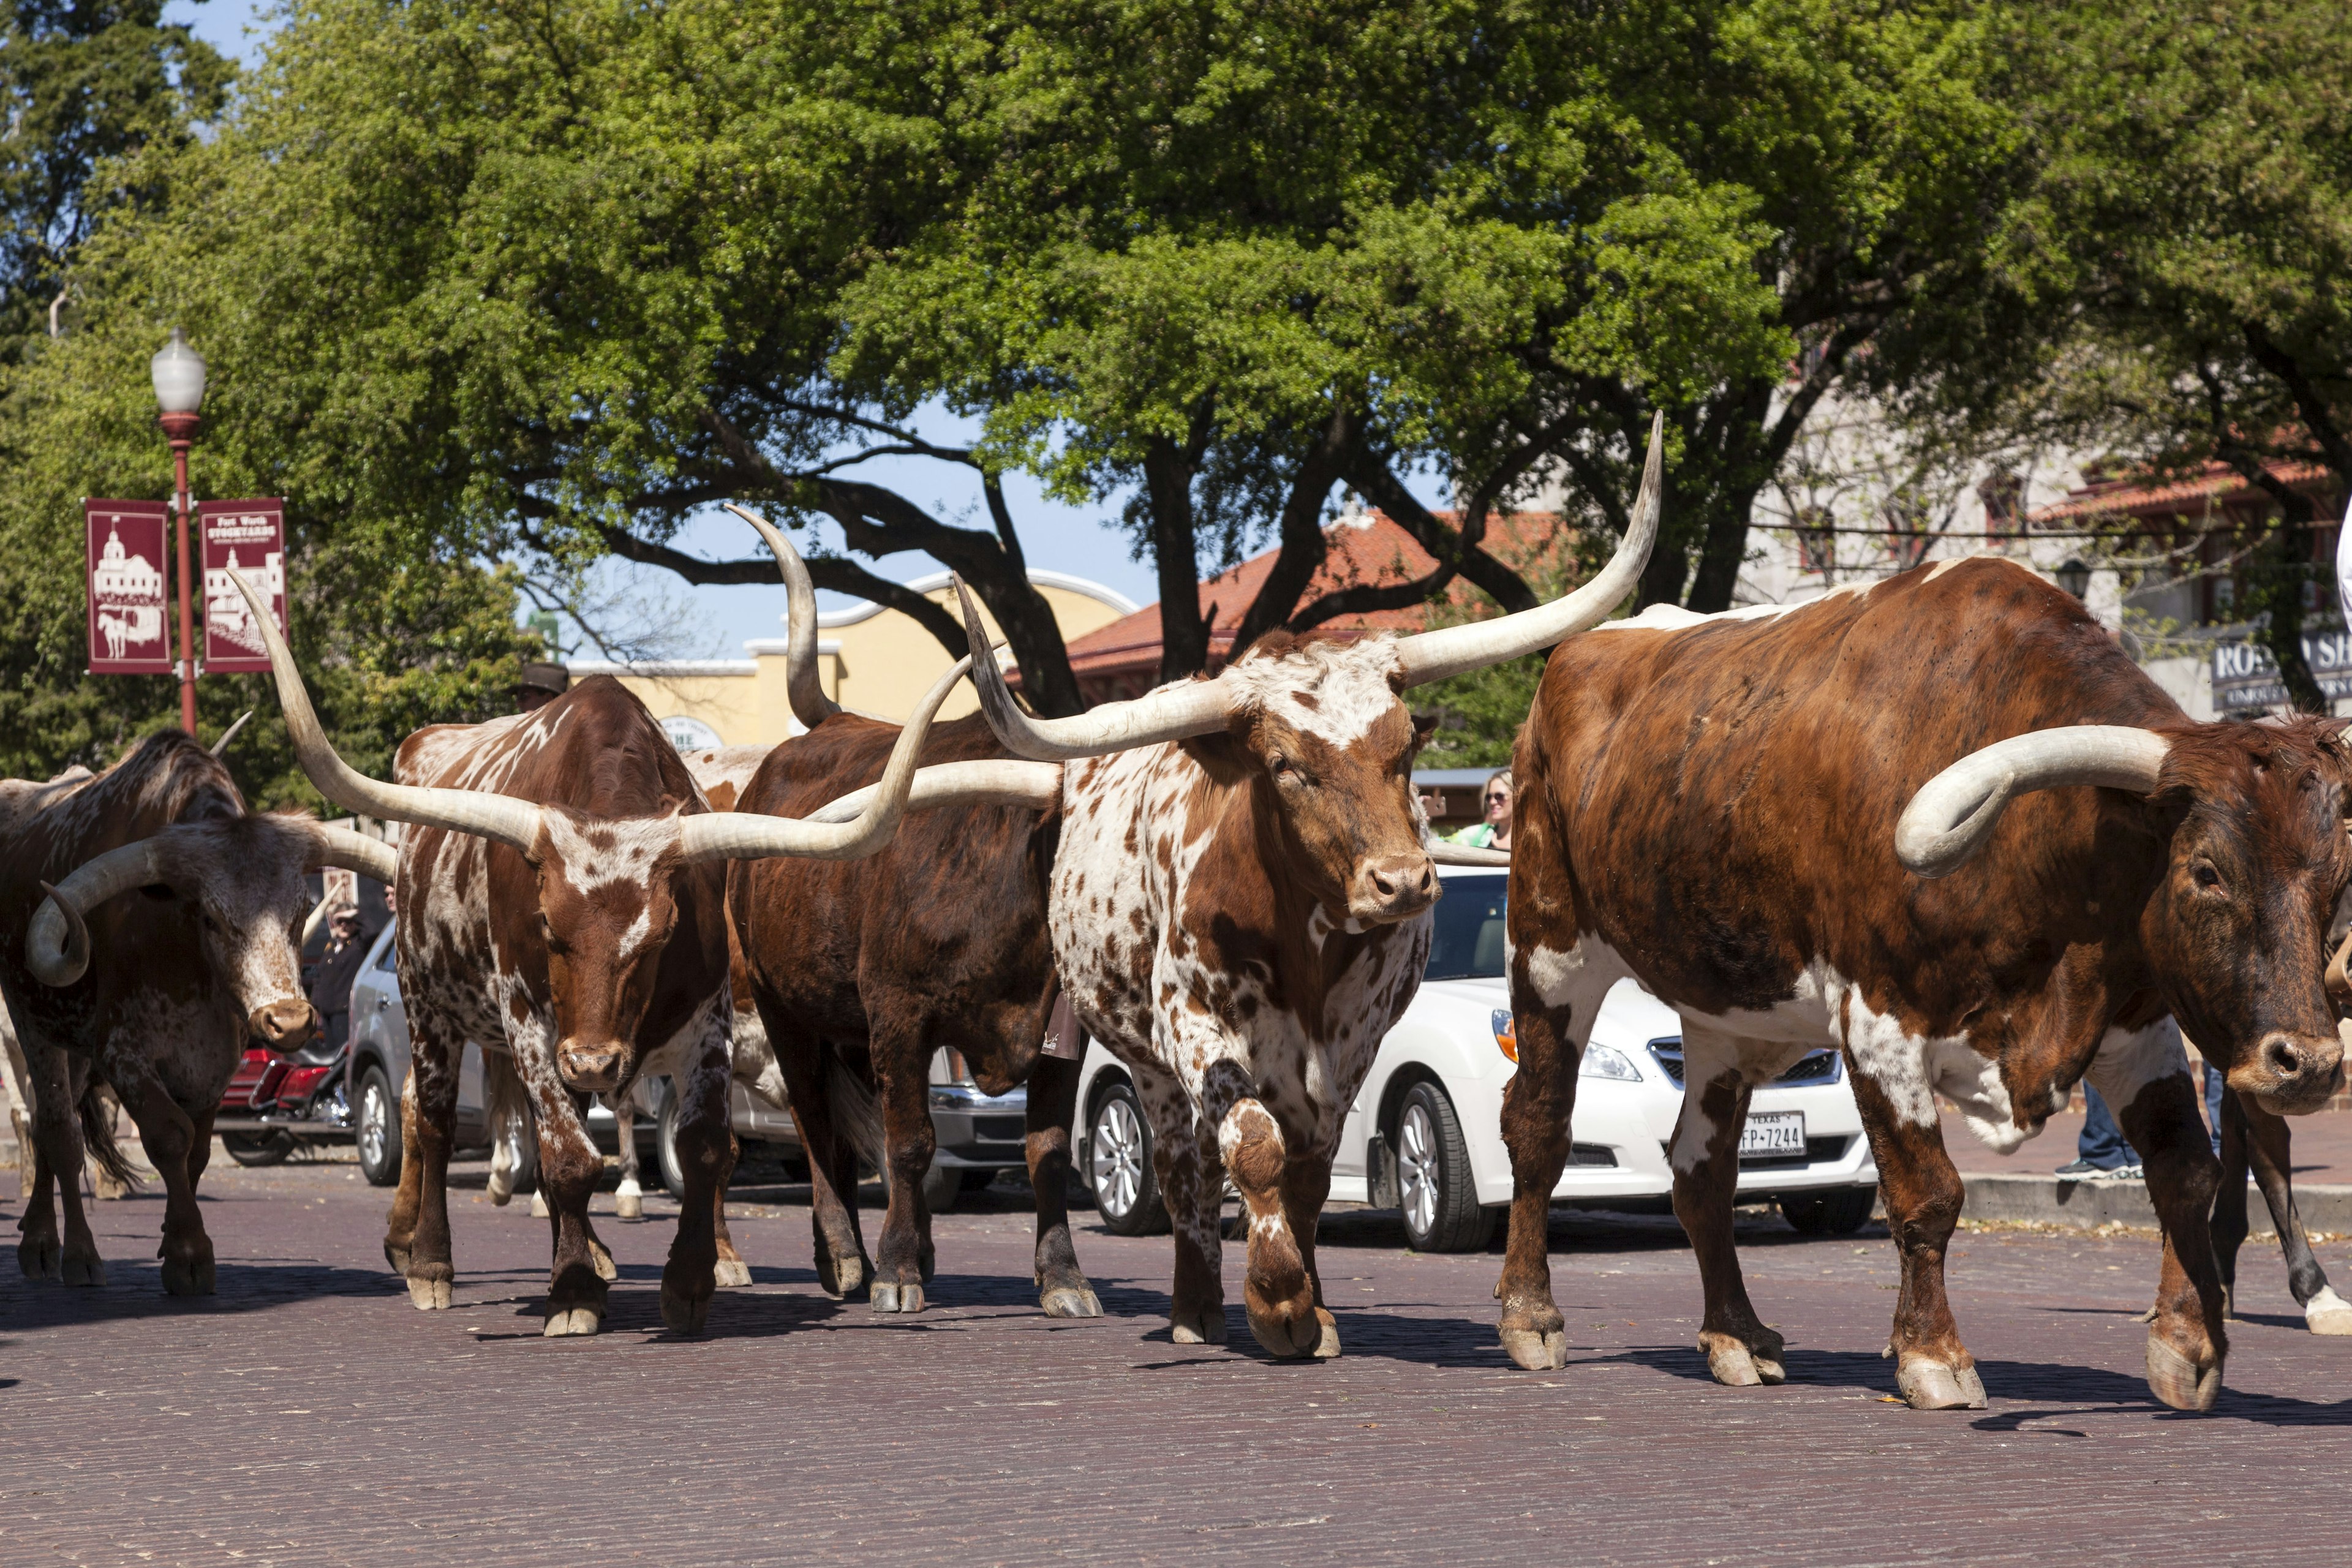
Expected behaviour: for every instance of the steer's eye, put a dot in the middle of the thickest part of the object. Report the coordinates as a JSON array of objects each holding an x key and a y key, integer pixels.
[
  {"x": 1281, "y": 766},
  {"x": 2206, "y": 876}
]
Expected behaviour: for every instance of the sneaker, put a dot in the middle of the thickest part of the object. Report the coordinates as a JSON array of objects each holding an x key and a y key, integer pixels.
[
  {"x": 2132, "y": 1173},
  {"x": 2079, "y": 1169}
]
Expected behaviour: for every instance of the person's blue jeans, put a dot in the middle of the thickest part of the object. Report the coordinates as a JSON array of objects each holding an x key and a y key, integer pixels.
[
  {"x": 2102, "y": 1143},
  {"x": 2214, "y": 1090}
]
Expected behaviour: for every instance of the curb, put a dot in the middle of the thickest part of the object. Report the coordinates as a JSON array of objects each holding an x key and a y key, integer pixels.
[{"x": 2324, "y": 1206}]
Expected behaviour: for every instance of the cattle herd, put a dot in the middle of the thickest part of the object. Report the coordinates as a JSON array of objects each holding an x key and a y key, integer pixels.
[{"x": 1942, "y": 821}]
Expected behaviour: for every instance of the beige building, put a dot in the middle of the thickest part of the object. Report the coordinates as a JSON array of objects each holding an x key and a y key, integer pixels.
[{"x": 872, "y": 659}]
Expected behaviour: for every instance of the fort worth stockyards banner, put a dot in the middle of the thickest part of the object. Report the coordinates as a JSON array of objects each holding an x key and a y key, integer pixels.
[
  {"x": 125, "y": 540},
  {"x": 246, "y": 536}
]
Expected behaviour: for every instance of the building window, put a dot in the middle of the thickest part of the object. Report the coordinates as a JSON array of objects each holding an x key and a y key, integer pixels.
[
  {"x": 2004, "y": 504},
  {"x": 1907, "y": 536},
  {"x": 1816, "y": 543}
]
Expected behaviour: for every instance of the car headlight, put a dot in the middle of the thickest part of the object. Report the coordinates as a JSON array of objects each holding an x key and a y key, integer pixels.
[
  {"x": 1602, "y": 1061},
  {"x": 1506, "y": 1033}
]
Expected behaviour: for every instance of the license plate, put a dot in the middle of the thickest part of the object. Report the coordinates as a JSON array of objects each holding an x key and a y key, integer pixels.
[{"x": 1773, "y": 1132}]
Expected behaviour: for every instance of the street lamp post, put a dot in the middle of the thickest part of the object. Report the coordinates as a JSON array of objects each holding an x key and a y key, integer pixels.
[{"x": 179, "y": 375}]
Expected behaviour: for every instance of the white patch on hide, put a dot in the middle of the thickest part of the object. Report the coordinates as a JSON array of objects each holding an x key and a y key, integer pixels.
[
  {"x": 1350, "y": 683},
  {"x": 2128, "y": 1061}
]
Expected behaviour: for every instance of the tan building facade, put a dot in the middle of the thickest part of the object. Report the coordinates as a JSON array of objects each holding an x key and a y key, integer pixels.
[{"x": 870, "y": 658}]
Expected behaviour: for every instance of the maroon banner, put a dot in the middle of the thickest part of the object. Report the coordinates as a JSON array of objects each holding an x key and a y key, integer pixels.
[
  {"x": 125, "y": 543},
  {"x": 248, "y": 537}
]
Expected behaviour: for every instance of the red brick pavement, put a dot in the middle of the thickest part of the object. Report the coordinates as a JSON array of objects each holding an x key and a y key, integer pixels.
[{"x": 308, "y": 1415}]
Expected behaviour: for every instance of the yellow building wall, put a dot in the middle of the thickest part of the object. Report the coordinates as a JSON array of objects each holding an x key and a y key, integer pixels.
[{"x": 876, "y": 660}]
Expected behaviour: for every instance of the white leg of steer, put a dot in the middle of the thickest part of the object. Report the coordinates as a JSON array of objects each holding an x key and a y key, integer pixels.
[
  {"x": 570, "y": 1165},
  {"x": 1276, "y": 1286}
]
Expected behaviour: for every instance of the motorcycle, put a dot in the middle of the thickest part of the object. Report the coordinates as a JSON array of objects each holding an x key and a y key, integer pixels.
[{"x": 276, "y": 1104}]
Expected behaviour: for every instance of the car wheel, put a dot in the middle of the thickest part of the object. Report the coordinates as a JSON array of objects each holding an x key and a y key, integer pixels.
[
  {"x": 258, "y": 1148},
  {"x": 673, "y": 1175},
  {"x": 1119, "y": 1165},
  {"x": 1838, "y": 1213},
  {"x": 376, "y": 1129},
  {"x": 1440, "y": 1198}
]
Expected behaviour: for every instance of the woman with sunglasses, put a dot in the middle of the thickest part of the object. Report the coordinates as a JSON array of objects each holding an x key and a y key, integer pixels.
[{"x": 1495, "y": 832}]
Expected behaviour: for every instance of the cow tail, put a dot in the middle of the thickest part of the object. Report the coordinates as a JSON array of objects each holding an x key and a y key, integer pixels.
[
  {"x": 98, "y": 1138},
  {"x": 857, "y": 1113}
]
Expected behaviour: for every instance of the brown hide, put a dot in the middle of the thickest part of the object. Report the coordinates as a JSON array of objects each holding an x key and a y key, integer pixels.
[
  {"x": 865, "y": 967},
  {"x": 605, "y": 930},
  {"x": 161, "y": 1013},
  {"x": 1729, "y": 794}
]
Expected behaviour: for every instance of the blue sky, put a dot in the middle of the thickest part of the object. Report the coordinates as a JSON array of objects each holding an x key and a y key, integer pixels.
[{"x": 715, "y": 622}]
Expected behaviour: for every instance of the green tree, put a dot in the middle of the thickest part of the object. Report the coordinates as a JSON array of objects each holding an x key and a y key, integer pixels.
[
  {"x": 2179, "y": 276},
  {"x": 83, "y": 83}
]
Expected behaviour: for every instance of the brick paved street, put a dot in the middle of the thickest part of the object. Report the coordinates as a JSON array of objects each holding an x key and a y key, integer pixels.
[{"x": 308, "y": 1415}]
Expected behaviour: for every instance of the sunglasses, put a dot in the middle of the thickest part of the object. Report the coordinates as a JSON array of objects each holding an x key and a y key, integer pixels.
[{"x": 1493, "y": 798}]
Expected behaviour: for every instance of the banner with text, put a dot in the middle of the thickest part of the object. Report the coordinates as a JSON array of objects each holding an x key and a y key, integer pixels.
[
  {"x": 249, "y": 537},
  {"x": 2245, "y": 676},
  {"x": 124, "y": 549}
]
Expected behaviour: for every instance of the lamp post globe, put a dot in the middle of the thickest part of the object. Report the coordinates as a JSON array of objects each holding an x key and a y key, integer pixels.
[{"x": 178, "y": 373}]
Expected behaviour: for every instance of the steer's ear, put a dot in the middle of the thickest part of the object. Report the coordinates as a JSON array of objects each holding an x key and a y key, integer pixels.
[{"x": 1424, "y": 725}]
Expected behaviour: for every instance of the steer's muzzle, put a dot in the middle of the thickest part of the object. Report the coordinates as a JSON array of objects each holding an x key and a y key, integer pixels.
[
  {"x": 283, "y": 1025},
  {"x": 1391, "y": 888},
  {"x": 590, "y": 1069},
  {"x": 2289, "y": 1074}
]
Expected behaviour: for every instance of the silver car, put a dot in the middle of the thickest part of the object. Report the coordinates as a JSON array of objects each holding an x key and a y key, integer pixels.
[{"x": 977, "y": 1134}]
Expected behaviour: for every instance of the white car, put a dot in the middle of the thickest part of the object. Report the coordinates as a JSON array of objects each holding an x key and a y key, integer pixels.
[{"x": 1425, "y": 1134}]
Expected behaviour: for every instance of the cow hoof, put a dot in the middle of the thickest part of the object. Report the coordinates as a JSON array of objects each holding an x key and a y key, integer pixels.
[
  {"x": 84, "y": 1268},
  {"x": 39, "y": 1257},
  {"x": 1288, "y": 1337},
  {"x": 501, "y": 1191},
  {"x": 730, "y": 1272},
  {"x": 429, "y": 1295},
  {"x": 1070, "y": 1301},
  {"x": 840, "y": 1277},
  {"x": 1931, "y": 1385},
  {"x": 602, "y": 1256},
  {"x": 1327, "y": 1343},
  {"x": 684, "y": 1316},
  {"x": 538, "y": 1203},
  {"x": 2178, "y": 1381},
  {"x": 629, "y": 1202},
  {"x": 398, "y": 1257},
  {"x": 896, "y": 1298},
  {"x": 567, "y": 1321},
  {"x": 1204, "y": 1327},
  {"x": 188, "y": 1276},
  {"x": 2328, "y": 1314},
  {"x": 1536, "y": 1350}
]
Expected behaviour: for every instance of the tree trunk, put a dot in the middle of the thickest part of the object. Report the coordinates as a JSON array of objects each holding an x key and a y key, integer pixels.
[{"x": 1183, "y": 626}]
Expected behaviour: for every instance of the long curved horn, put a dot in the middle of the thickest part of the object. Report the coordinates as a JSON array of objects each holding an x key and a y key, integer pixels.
[
  {"x": 811, "y": 706},
  {"x": 1195, "y": 707},
  {"x": 1036, "y": 786},
  {"x": 755, "y": 836},
  {"x": 1454, "y": 650},
  {"x": 1955, "y": 812},
  {"x": 354, "y": 852},
  {"x": 57, "y": 947},
  {"x": 230, "y": 734},
  {"x": 1446, "y": 853},
  {"x": 510, "y": 821}
]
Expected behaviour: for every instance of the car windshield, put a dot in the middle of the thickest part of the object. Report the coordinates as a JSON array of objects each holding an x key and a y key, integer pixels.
[{"x": 1468, "y": 942}]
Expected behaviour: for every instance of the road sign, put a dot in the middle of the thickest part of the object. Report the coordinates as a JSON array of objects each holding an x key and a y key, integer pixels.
[
  {"x": 248, "y": 537},
  {"x": 125, "y": 555}
]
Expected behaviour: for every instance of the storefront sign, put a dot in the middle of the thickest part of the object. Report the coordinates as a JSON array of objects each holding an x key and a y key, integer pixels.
[
  {"x": 2246, "y": 678},
  {"x": 125, "y": 542}
]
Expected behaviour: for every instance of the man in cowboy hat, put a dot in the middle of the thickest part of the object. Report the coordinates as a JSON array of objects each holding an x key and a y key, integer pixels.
[{"x": 541, "y": 684}]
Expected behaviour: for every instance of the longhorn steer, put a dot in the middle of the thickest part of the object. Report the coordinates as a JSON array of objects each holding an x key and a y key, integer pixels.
[
  {"x": 560, "y": 896},
  {"x": 1717, "y": 807},
  {"x": 1240, "y": 911},
  {"x": 170, "y": 934},
  {"x": 860, "y": 971}
]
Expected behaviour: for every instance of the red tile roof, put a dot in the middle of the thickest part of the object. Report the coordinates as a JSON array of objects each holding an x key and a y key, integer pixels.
[
  {"x": 2215, "y": 485},
  {"x": 1122, "y": 658}
]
